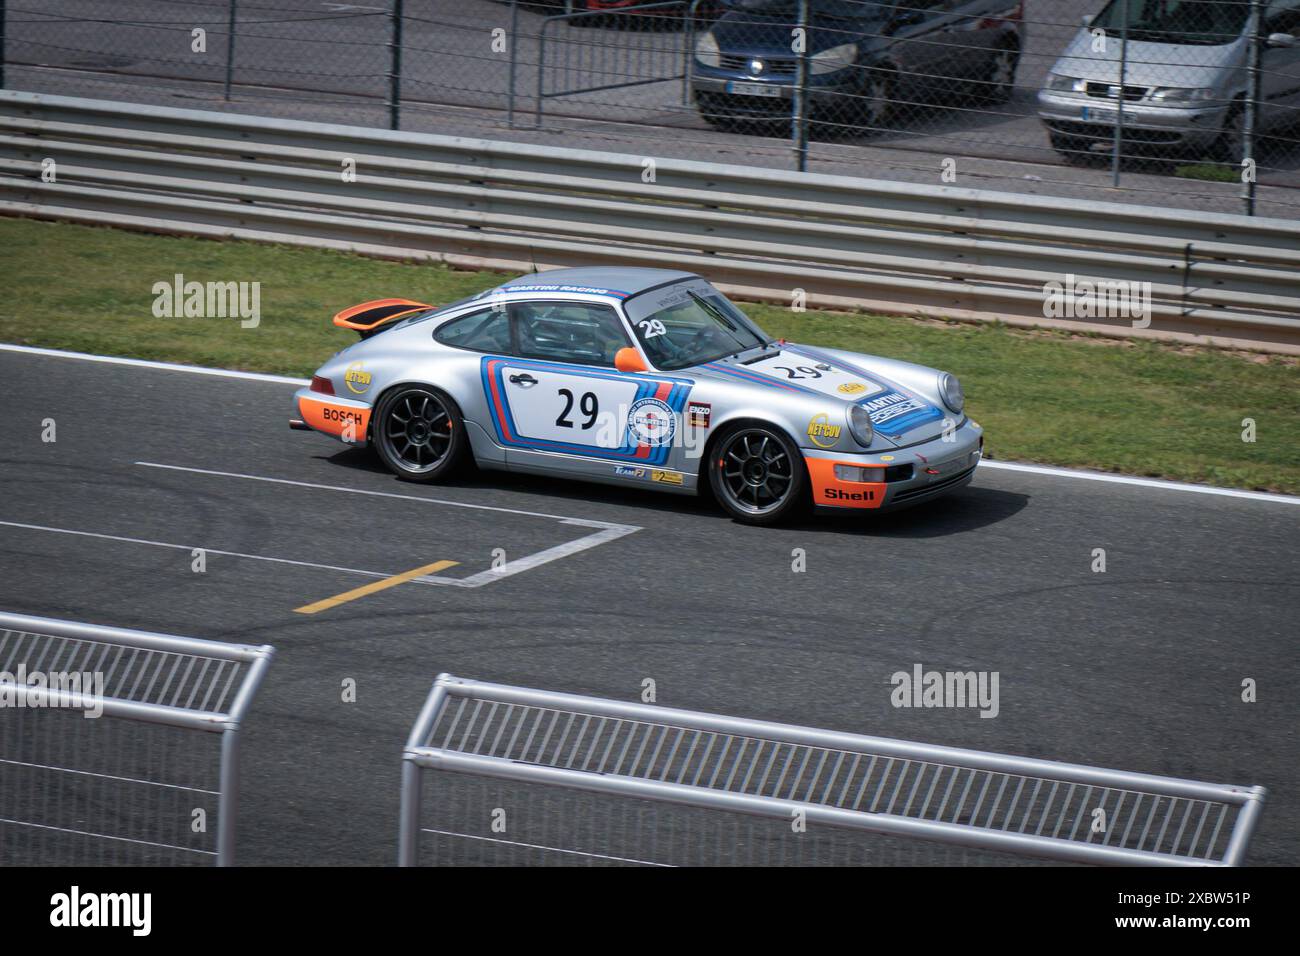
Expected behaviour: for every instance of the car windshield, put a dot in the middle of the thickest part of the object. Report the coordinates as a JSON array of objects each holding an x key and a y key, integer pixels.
[
  {"x": 1174, "y": 21},
  {"x": 690, "y": 323}
]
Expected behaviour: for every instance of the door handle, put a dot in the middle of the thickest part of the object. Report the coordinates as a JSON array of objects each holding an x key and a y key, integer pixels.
[{"x": 526, "y": 380}]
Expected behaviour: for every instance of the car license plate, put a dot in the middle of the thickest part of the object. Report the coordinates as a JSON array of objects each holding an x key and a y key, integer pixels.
[
  {"x": 753, "y": 89},
  {"x": 1097, "y": 114}
]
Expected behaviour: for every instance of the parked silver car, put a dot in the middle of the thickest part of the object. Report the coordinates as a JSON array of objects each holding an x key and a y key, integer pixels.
[{"x": 1186, "y": 75}]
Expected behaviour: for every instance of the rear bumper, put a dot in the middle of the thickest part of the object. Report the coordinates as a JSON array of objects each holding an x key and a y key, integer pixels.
[
  {"x": 936, "y": 468},
  {"x": 341, "y": 418}
]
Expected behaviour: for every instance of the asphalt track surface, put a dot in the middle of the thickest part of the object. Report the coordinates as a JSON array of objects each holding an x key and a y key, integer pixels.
[{"x": 1138, "y": 668}]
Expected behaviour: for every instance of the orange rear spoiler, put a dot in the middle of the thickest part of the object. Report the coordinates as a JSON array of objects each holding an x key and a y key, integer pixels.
[{"x": 370, "y": 317}]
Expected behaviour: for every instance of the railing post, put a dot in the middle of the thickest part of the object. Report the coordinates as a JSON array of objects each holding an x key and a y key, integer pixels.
[
  {"x": 1118, "y": 149},
  {"x": 408, "y": 833},
  {"x": 1250, "y": 119},
  {"x": 514, "y": 63},
  {"x": 230, "y": 48},
  {"x": 395, "y": 67},
  {"x": 799, "y": 113},
  {"x": 228, "y": 800}
]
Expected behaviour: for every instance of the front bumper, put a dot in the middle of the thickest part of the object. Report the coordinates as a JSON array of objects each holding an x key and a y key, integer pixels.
[
  {"x": 1094, "y": 118},
  {"x": 937, "y": 468},
  {"x": 725, "y": 94}
]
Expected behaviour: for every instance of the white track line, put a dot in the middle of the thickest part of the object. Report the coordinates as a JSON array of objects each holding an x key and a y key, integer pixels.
[
  {"x": 604, "y": 533},
  {"x": 145, "y": 363},
  {"x": 195, "y": 547},
  {"x": 1142, "y": 482},
  {"x": 538, "y": 846},
  {"x": 1010, "y": 466},
  {"x": 584, "y": 522}
]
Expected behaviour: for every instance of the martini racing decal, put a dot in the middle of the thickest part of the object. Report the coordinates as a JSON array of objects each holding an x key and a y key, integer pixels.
[
  {"x": 572, "y": 409},
  {"x": 894, "y": 410},
  {"x": 544, "y": 287}
]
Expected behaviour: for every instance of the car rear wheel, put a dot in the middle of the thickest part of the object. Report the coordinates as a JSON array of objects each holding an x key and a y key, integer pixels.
[
  {"x": 419, "y": 433},
  {"x": 1000, "y": 77},
  {"x": 757, "y": 475}
]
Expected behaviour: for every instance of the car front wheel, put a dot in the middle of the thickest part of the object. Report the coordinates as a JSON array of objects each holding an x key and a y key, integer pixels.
[{"x": 758, "y": 475}]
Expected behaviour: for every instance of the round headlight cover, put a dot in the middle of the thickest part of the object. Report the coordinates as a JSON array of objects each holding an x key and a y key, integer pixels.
[
  {"x": 952, "y": 393},
  {"x": 860, "y": 425}
]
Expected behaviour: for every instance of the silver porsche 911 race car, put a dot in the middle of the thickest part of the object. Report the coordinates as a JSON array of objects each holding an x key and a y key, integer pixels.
[{"x": 640, "y": 377}]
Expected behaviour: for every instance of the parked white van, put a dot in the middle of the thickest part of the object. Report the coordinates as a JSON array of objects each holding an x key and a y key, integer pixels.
[{"x": 1186, "y": 76}]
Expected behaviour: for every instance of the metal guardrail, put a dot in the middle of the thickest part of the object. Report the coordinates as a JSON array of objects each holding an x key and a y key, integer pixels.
[
  {"x": 131, "y": 785},
  {"x": 988, "y": 801},
  {"x": 939, "y": 251}
]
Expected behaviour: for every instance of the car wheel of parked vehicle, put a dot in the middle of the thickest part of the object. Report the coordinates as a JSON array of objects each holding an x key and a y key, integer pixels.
[
  {"x": 419, "y": 433},
  {"x": 999, "y": 81},
  {"x": 757, "y": 475},
  {"x": 1073, "y": 150},
  {"x": 1231, "y": 144},
  {"x": 875, "y": 98}
]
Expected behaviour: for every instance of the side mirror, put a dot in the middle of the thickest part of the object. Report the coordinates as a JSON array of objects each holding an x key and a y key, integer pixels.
[
  {"x": 629, "y": 359},
  {"x": 1281, "y": 40}
]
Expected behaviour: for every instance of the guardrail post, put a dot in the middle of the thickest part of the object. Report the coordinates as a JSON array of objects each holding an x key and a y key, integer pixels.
[
  {"x": 1118, "y": 149},
  {"x": 1250, "y": 169},
  {"x": 230, "y": 48},
  {"x": 799, "y": 115},
  {"x": 395, "y": 68}
]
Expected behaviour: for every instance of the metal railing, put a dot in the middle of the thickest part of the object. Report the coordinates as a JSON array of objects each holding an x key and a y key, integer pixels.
[
  {"x": 1191, "y": 103},
  {"x": 761, "y": 234},
  {"x": 669, "y": 758},
  {"x": 143, "y": 781}
]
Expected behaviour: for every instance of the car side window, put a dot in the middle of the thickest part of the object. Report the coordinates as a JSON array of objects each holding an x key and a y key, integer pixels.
[
  {"x": 487, "y": 330},
  {"x": 583, "y": 332}
]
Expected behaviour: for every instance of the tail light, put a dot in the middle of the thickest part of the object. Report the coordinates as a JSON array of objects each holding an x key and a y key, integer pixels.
[{"x": 322, "y": 385}]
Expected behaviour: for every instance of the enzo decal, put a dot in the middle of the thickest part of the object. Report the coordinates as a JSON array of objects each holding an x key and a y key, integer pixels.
[
  {"x": 698, "y": 414},
  {"x": 823, "y": 433}
]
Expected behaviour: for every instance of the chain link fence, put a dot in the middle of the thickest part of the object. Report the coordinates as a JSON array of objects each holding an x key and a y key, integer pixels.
[{"x": 1168, "y": 102}]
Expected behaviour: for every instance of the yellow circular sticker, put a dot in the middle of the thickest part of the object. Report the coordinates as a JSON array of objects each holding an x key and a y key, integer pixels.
[
  {"x": 356, "y": 378},
  {"x": 852, "y": 388}
]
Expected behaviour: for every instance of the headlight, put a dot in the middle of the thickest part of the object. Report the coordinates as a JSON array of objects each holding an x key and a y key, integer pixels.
[
  {"x": 951, "y": 391},
  {"x": 706, "y": 50},
  {"x": 836, "y": 58},
  {"x": 860, "y": 425},
  {"x": 1176, "y": 94},
  {"x": 1061, "y": 83}
]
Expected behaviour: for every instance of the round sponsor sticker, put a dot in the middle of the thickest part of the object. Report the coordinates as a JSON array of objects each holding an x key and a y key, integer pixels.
[
  {"x": 651, "y": 422},
  {"x": 852, "y": 388}
]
